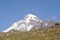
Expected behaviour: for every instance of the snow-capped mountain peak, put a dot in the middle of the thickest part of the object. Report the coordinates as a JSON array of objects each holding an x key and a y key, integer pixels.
[
  {"x": 29, "y": 22},
  {"x": 23, "y": 25},
  {"x": 30, "y": 17}
]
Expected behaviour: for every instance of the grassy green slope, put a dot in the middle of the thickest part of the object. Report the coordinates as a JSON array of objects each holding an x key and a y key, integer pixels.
[{"x": 52, "y": 33}]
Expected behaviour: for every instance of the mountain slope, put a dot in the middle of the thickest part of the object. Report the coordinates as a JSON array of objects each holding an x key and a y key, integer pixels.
[{"x": 51, "y": 33}]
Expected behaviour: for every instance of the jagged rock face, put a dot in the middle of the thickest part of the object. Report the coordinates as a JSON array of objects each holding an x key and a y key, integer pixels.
[{"x": 29, "y": 22}]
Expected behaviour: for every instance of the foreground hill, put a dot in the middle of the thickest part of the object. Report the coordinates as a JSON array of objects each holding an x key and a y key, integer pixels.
[{"x": 51, "y": 33}]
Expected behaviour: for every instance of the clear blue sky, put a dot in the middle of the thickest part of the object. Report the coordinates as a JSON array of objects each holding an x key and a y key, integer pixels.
[{"x": 14, "y": 10}]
